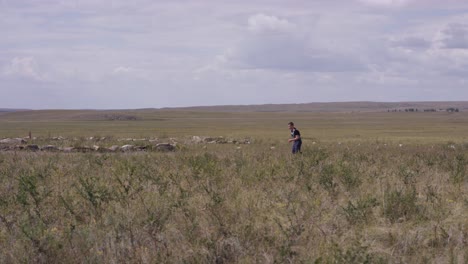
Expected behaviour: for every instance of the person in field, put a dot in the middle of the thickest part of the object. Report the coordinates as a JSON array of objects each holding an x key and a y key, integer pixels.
[{"x": 295, "y": 138}]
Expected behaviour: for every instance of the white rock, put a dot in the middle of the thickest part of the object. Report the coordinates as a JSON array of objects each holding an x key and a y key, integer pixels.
[
  {"x": 67, "y": 149},
  {"x": 126, "y": 148},
  {"x": 49, "y": 148},
  {"x": 114, "y": 148},
  {"x": 12, "y": 141}
]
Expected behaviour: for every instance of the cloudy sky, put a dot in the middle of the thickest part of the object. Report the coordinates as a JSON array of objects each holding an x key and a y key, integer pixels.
[{"x": 105, "y": 54}]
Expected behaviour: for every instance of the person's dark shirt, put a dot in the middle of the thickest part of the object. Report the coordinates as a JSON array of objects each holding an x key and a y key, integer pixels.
[{"x": 294, "y": 133}]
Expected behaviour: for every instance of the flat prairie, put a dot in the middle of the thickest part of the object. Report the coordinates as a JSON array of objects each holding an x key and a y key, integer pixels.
[
  {"x": 418, "y": 127},
  {"x": 369, "y": 187}
]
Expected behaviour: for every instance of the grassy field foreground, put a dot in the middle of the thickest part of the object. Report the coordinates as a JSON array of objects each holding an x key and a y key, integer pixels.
[{"x": 366, "y": 202}]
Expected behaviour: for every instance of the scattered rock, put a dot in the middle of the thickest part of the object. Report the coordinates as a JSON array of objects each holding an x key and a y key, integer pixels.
[
  {"x": 209, "y": 140},
  {"x": 18, "y": 147},
  {"x": 218, "y": 140},
  {"x": 127, "y": 148},
  {"x": 49, "y": 148},
  {"x": 125, "y": 139},
  {"x": 197, "y": 139},
  {"x": 245, "y": 141},
  {"x": 141, "y": 148},
  {"x": 83, "y": 149},
  {"x": 12, "y": 141},
  {"x": 68, "y": 149},
  {"x": 165, "y": 147},
  {"x": 104, "y": 150},
  {"x": 221, "y": 140},
  {"x": 32, "y": 147},
  {"x": 169, "y": 145},
  {"x": 114, "y": 148},
  {"x": 4, "y": 147}
]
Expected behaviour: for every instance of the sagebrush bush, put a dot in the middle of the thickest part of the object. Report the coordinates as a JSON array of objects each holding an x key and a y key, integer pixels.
[{"x": 348, "y": 203}]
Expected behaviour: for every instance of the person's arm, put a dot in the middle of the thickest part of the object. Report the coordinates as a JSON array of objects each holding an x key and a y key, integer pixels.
[{"x": 297, "y": 137}]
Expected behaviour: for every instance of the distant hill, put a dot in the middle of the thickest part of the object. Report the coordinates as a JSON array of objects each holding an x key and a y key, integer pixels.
[
  {"x": 330, "y": 107},
  {"x": 4, "y": 110},
  {"x": 10, "y": 110},
  {"x": 160, "y": 114}
]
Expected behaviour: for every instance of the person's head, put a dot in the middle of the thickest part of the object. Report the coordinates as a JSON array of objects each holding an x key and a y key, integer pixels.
[{"x": 291, "y": 125}]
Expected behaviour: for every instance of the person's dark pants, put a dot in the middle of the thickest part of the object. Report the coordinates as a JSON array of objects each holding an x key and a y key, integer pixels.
[{"x": 296, "y": 148}]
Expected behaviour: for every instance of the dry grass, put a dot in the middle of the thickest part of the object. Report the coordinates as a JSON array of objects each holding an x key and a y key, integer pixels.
[
  {"x": 425, "y": 128},
  {"x": 348, "y": 203},
  {"x": 368, "y": 188}
]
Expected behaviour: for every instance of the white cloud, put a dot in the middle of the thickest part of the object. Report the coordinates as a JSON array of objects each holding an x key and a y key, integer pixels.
[
  {"x": 194, "y": 52},
  {"x": 287, "y": 47},
  {"x": 24, "y": 67},
  {"x": 389, "y": 3},
  {"x": 266, "y": 23},
  {"x": 123, "y": 69}
]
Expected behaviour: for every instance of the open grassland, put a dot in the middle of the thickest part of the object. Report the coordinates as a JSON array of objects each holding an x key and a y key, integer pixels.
[
  {"x": 368, "y": 188},
  {"x": 328, "y": 127}
]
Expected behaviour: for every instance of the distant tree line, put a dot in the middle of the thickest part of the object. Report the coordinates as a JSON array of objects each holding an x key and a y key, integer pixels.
[{"x": 450, "y": 109}]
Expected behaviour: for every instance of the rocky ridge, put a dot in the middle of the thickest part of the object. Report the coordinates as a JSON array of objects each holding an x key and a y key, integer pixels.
[{"x": 93, "y": 144}]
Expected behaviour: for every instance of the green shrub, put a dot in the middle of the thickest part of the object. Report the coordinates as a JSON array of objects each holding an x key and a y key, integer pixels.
[
  {"x": 360, "y": 212},
  {"x": 356, "y": 253},
  {"x": 458, "y": 174},
  {"x": 401, "y": 205},
  {"x": 327, "y": 178}
]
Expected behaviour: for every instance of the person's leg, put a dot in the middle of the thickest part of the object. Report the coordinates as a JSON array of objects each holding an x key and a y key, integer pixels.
[
  {"x": 299, "y": 145},
  {"x": 296, "y": 147}
]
